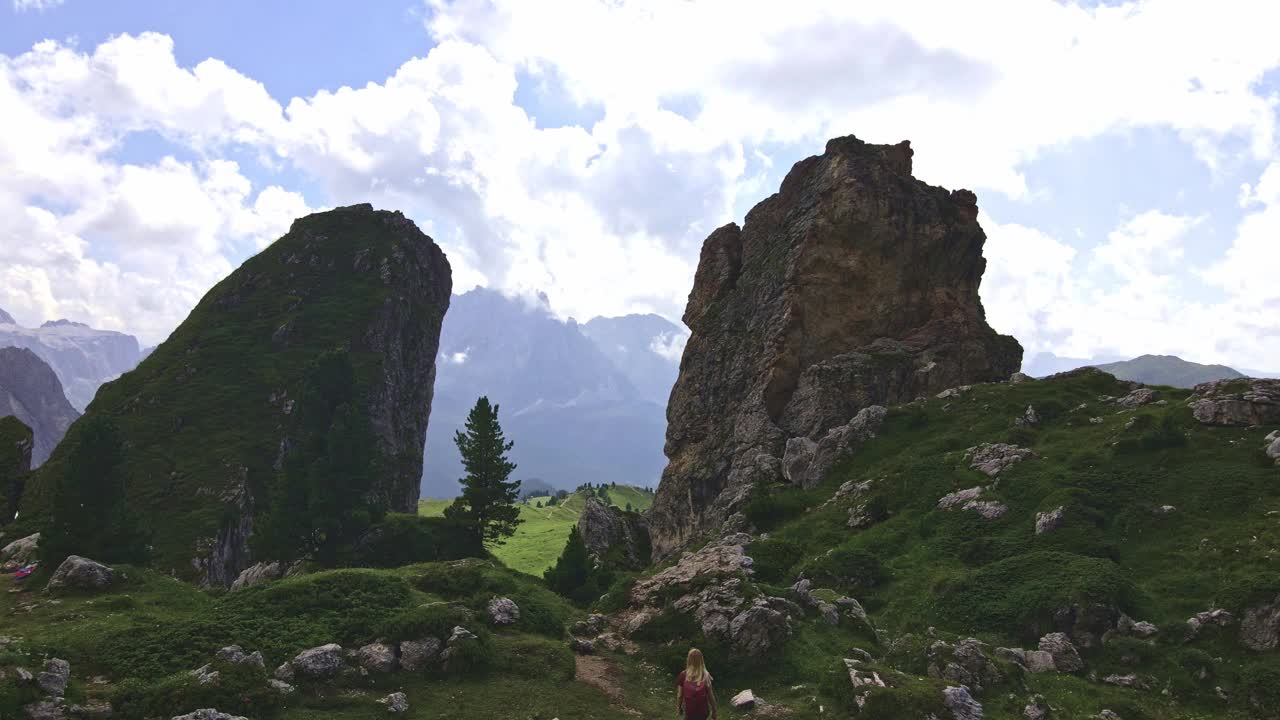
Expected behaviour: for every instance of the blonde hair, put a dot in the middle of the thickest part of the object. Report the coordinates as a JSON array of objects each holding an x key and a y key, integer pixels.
[{"x": 695, "y": 668}]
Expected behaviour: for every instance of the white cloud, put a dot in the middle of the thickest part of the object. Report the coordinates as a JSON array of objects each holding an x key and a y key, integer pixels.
[
  {"x": 670, "y": 345},
  {"x": 40, "y": 5}
]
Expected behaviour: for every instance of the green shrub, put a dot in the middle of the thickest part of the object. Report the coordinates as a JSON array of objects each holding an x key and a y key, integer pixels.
[
  {"x": 669, "y": 626},
  {"x": 1260, "y": 686},
  {"x": 403, "y": 539},
  {"x": 773, "y": 558},
  {"x": 241, "y": 689},
  {"x": 847, "y": 567},
  {"x": 767, "y": 510},
  {"x": 435, "y": 620},
  {"x": 535, "y": 658},
  {"x": 615, "y": 598},
  {"x": 1021, "y": 592},
  {"x": 464, "y": 579}
]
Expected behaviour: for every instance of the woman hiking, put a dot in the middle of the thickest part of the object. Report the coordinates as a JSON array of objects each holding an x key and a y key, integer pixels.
[{"x": 695, "y": 698}]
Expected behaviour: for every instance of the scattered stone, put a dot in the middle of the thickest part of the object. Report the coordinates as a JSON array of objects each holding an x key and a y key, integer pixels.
[
  {"x": 1019, "y": 377},
  {"x": 257, "y": 574},
  {"x": 1215, "y": 618},
  {"x": 959, "y": 497},
  {"x": 1065, "y": 657},
  {"x": 1126, "y": 626},
  {"x": 744, "y": 700},
  {"x": 593, "y": 625},
  {"x": 20, "y": 552},
  {"x": 53, "y": 680},
  {"x": 1037, "y": 709},
  {"x": 1273, "y": 450},
  {"x": 53, "y": 709},
  {"x": 93, "y": 710},
  {"x": 1029, "y": 418},
  {"x": 1250, "y": 401},
  {"x": 280, "y": 686},
  {"x": 1137, "y": 398},
  {"x": 377, "y": 657},
  {"x": 417, "y": 654},
  {"x": 966, "y": 663},
  {"x": 993, "y": 458},
  {"x": 284, "y": 672},
  {"x": 861, "y": 678},
  {"x": 757, "y": 630},
  {"x": 582, "y": 647},
  {"x": 80, "y": 574},
  {"x": 208, "y": 714},
  {"x": 1050, "y": 521},
  {"x": 806, "y": 462},
  {"x": 1095, "y": 421},
  {"x": 853, "y": 609},
  {"x": 457, "y": 639},
  {"x": 319, "y": 662},
  {"x": 1164, "y": 510},
  {"x": 236, "y": 655},
  {"x": 1260, "y": 627},
  {"x": 828, "y": 613},
  {"x": 961, "y": 703},
  {"x": 396, "y": 702},
  {"x": 1129, "y": 681},
  {"x": 988, "y": 509},
  {"x": 503, "y": 611},
  {"x": 23, "y": 676},
  {"x": 206, "y": 675},
  {"x": 1106, "y": 715}
]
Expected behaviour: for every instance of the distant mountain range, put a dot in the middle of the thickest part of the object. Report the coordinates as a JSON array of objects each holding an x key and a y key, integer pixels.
[
  {"x": 1147, "y": 369},
  {"x": 30, "y": 391},
  {"x": 583, "y": 403},
  {"x": 82, "y": 357}
]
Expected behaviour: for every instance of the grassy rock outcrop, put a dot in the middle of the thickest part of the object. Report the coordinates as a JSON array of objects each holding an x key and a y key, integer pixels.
[{"x": 207, "y": 417}]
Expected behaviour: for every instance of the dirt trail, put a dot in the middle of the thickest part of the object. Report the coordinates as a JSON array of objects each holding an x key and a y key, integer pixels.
[{"x": 600, "y": 673}]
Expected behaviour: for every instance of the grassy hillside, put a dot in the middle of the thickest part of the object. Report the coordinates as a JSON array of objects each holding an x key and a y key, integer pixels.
[
  {"x": 145, "y": 636},
  {"x": 916, "y": 566},
  {"x": 543, "y": 531}
]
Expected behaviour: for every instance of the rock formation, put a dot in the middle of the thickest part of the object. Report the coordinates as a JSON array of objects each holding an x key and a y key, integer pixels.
[
  {"x": 83, "y": 357},
  {"x": 854, "y": 285},
  {"x": 207, "y": 417},
  {"x": 1250, "y": 401},
  {"x": 31, "y": 392},
  {"x": 614, "y": 537}
]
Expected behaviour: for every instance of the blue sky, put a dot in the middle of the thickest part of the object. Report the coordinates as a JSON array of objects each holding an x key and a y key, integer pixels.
[{"x": 1128, "y": 180}]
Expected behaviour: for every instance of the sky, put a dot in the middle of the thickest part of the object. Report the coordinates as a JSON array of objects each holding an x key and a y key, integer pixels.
[{"x": 1125, "y": 155}]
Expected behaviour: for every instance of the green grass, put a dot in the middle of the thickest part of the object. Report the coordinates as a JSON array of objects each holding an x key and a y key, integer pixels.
[{"x": 543, "y": 531}]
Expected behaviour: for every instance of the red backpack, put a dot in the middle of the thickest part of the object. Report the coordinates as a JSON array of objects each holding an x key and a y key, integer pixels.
[{"x": 695, "y": 697}]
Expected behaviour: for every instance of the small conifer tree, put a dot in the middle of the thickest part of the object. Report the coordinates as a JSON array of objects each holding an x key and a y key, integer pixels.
[{"x": 487, "y": 504}]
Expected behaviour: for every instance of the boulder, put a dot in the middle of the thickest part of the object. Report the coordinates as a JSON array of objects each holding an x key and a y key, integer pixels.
[
  {"x": 396, "y": 702},
  {"x": 1037, "y": 709},
  {"x": 257, "y": 574},
  {"x": 208, "y": 714},
  {"x": 1049, "y": 521},
  {"x": 961, "y": 703},
  {"x": 459, "y": 638},
  {"x": 582, "y": 647},
  {"x": 53, "y": 679},
  {"x": 862, "y": 679},
  {"x": 1019, "y": 377},
  {"x": 1137, "y": 398},
  {"x": 1029, "y": 418},
  {"x": 1273, "y": 450},
  {"x": 614, "y": 537},
  {"x": 503, "y": 611},
  {"x": 810, "y": 312},
  {"x": 965, "y": 663},
  {"x": 51, "y": 709},
  {"x": 959, "y": 498},
  {"x": 988, "y": 509},
  {"x": 320, "y": 662},
  {"x": 92, "y": 710},
  {"x": 377, "y": 657},
  {"x": 1209, "y": 618},
  {"x": 1260, "y": 626},
  {"x": 280, "y": 686},
  {"x": 592, "y": 626},
  {"x": 416, "y": 655},
  {"x": 758, "y": 630},
  {"x": 20, "y": 552},
  {"x": 806, "y": 462},
  {"x": 1248, "y": 401},
  {"x": 1130, "y": 681},
  {"x": 284, "y": 673},
  {"x": 744, "y": 700},
  {"x": 206, "y": 675},
  {"x": 78, "y": 573},
  {"x": 991, "y": 459},
  {"x": 1143, "y": 629},
  {"x": 236, "y": 655},
  {"x": 1065, "y": 657}
]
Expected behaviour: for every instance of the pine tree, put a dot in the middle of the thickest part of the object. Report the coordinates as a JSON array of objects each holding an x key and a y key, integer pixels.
[
  {"x": 574, "y": 575},
  {"x": 90, "y": 514},
  {"x": 487, "y": 504}
]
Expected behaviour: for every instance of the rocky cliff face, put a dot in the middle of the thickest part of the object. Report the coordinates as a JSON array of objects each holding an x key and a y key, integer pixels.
[
  {"x": 854, "y": 285},
  {"x": 207, "y": 415},
  {"x": 30, "y": 391},
  {"x": 16, "y": 443},
  {"x": 614, "y": 537},
  {"x": 82, "y": 357}
]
